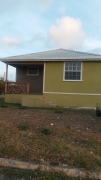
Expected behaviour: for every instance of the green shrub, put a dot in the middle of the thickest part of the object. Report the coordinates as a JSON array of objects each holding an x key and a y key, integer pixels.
[
  {"x": 2, "y": 86},
  {"x": 98, "y": 110}
]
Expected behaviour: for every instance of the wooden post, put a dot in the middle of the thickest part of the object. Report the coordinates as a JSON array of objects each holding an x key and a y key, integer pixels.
[
  {"x": 27, "y": 88},
  {"x": 5, "y": 87},
  {"x": 6, "y": 72}
]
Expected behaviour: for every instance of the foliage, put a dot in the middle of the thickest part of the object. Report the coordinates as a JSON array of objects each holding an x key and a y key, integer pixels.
[
  {"x": 2, "y": 86},
  {"x": 98, "y": 110}
]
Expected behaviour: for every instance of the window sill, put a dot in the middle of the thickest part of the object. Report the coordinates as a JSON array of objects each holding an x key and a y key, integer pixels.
[
  {"x": 32, "y": 75},
  {"x": 72, "y": 80}
]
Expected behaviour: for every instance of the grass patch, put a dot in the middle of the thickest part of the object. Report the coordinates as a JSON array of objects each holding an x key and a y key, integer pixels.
[
  {"x": 36, "y": 133},
  {"x": 23, "y": 127},
  {"x": 36, "y": 174},
  {"x": 99, "y": 162},
  {"x": 45, "y": 131},
  {"x": 81, "y": 162},
  {"x": 2, "y": 103},
  {"x": 22, "y": 107},
  {"x": 4, "y": 106},
  {"x": 58, "y": 111}
]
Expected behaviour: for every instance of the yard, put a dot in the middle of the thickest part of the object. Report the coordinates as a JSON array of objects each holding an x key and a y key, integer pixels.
[{"x": 70, "y": 136}]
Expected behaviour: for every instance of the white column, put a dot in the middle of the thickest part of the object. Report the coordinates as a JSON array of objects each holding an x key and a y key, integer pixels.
[{"x": 6, "y": 72}]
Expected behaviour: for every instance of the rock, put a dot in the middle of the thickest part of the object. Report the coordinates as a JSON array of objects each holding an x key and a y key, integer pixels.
[
  {"x": 54, "y": 163},
  {"x": 51, "y": 124},
  {"x": 42, "y": 161}
]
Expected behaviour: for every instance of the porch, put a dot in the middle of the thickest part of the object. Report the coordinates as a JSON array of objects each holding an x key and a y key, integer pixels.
[
  {"x": 29, "y": 78},
  {"x": 16, "y": 88},
  {"x": 19, "y": 93},
  {"x": 29, "y": 100}
]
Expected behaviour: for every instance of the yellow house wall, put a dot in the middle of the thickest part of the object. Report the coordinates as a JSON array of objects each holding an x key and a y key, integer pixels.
[
  {"x": 65, "y": 100},
  {"x": 88, "y": 89},
  {"x": 57, "y": 91},
  {"x": 91, "y": 79}
]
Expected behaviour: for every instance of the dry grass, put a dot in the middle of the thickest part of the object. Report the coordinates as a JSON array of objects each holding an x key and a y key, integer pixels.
[
  {"x": 18, "y": 174},
  {"x": 67, "y": 136}
]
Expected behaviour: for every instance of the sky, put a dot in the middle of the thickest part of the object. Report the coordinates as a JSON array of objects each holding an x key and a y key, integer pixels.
[{"x": 28, "y": 26}]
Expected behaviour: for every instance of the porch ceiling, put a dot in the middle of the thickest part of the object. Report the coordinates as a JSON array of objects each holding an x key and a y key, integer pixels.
[{"x": 16, "y": 64}]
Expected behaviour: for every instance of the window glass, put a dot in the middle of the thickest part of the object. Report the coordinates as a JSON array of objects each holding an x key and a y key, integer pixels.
[
  {"x": 33, "y": 71},
  {"x": 72, "y": 71}
]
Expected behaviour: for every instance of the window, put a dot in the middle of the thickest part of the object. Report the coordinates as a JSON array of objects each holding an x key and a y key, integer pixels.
[
  {"x": 72, "y": 71},
  {"x": 33, "y": 71}
]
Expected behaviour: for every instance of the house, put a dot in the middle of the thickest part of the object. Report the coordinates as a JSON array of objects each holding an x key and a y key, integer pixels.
[{"x": 60, "y": 77}]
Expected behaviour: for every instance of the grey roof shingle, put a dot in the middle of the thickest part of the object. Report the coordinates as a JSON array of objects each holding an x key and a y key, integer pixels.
[{"x": 54, "y": 55}]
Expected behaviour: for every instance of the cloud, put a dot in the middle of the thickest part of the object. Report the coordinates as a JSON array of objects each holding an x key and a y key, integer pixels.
[
  {"x": 7, "y": 41},
  {"x": 92, "y": 45},
  {"x": 67, "y": 33}
]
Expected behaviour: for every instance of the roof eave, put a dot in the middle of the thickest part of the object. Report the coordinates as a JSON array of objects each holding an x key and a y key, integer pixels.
[{"x": 51, "y": 59}]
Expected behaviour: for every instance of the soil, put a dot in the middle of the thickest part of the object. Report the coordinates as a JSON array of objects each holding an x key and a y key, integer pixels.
[{"x": 67, "y": 136}]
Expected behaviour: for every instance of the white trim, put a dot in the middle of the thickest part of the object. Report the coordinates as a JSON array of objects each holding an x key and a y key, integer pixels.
[
  {"x": 63, "y": 71},
  {"x": 44, "y": 78},
  {"x": 72, "y": 80},
  {"x": 69, "y": 79},
  {"x": 33, "y": 74},
  {"x": 84, "y": 94},
  {"x": 81, "y": 70},
  {"x": 6, "y": 72}
]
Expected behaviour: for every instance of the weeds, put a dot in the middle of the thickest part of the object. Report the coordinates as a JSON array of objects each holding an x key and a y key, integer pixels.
[
  {"x": 58, "y": 111},
  {"x": 45, "y": 131},
  {"x": 29, "y": 134},
  {"x": 3, "y": 106},
  {"x": 81, "y": 162},
  {"x": 36, "y": 174},
  {"x": 23, "y": 127},
  {"x": 98, "y": 110}
]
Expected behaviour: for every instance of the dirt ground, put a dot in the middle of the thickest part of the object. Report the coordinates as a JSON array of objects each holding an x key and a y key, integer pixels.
[{"x": 67, "y": 136}]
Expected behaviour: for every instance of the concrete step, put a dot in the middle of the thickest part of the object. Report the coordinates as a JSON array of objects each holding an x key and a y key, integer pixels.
[{"x": 36, "y": 101}]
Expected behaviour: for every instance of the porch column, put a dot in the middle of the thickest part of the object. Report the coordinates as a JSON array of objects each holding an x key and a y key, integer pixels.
[
  {"x": 6, "y": 78},
  {"x": 6, "y": 72}
]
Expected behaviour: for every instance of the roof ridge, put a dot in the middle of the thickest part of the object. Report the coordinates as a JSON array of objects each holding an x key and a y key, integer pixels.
[
  {"x": 55, "y": 54},
  {"x": 81, "y": 52}
]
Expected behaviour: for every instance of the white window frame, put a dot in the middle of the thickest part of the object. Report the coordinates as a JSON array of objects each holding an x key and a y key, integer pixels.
[
  {"x": 33, "y": 74},
  {"x": 72, "y": 79}
]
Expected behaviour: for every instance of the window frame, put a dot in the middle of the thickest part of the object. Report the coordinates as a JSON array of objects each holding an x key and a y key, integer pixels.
[
  {"x": 72, "y": 79},
  {"x": 33, "y": 74}
]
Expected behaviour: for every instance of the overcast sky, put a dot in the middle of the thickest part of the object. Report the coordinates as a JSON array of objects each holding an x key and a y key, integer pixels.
[{"x": 28, "y": 26}]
